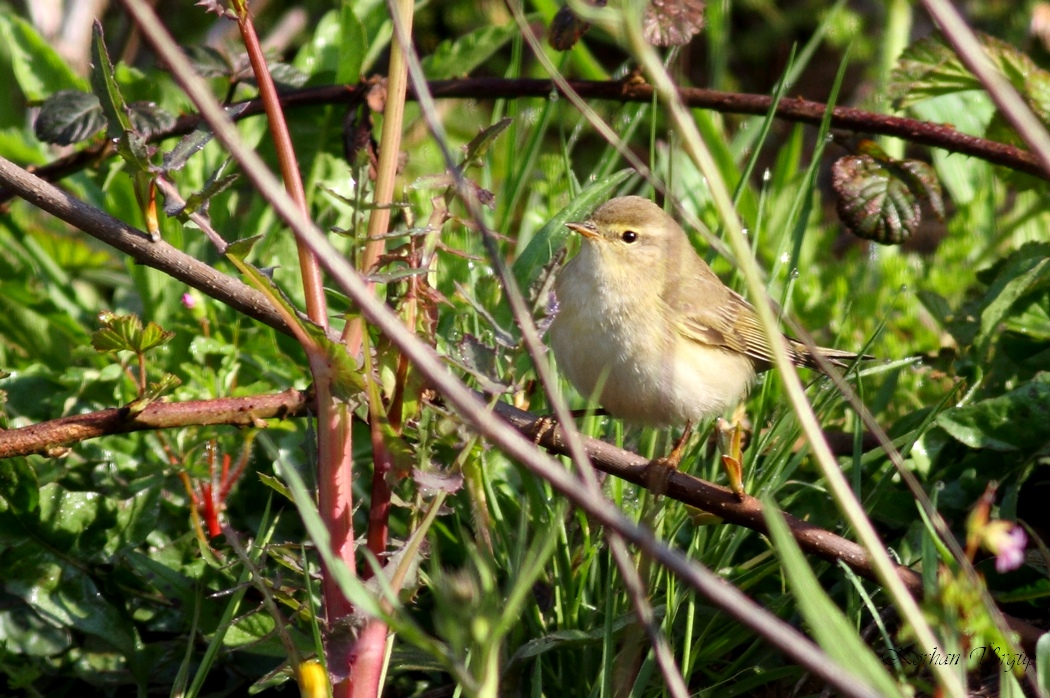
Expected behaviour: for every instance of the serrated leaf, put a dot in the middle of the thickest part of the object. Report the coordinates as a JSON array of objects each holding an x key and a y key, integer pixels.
[
  {"x": 929, "y": 68},
  {"x": 1015, "y": 421},
  {"x": 130, "y": 144},
  {"x": 672, "y": 22},
  {"x": 147, "y": 118},
  {"x": 68, "y": 117},
  {"x": 463, "y": 55},
  {"x": 216, "y": 184},
  {"x": 878, "y": 198},
  {"x": 480, "y": 143},
  {"x": 154, "y": 336},
  {"x": 195, "y": 141},
  {"x": 924, "y": 183},
  {"x": 284, "y": 75},
  {"x": 126, "y": 333},
  {"x": 166, "y": 384},
  {"x": 209, "y": 62}
]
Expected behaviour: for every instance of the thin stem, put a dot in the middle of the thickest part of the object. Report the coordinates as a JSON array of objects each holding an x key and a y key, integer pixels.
[
  {"x": 313, "y": 284},
  {"x": 386, "y": 168}
]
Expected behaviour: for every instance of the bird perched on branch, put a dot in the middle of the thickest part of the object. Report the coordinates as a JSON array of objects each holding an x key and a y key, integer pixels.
[{"x": 649, "y": 331}]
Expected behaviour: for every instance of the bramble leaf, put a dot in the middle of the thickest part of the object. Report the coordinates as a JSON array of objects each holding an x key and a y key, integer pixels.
[
  {"x": 879, "y": 198},
  {"x": 68, "y": 117}
]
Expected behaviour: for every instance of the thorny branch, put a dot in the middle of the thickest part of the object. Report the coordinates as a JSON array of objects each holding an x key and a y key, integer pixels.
[{"x": 797, "y": 110}]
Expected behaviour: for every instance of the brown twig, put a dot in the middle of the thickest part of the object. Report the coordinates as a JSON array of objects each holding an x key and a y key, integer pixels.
[
  {"x": 137, "y": 245},
  {"x": 53, "y": 437},
  {"x": 796, "y": 110}
]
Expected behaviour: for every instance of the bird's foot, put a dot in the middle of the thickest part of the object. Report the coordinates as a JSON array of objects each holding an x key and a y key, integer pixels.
[
  {"x": 659, "y": 469},
  {"x": 543, "y": 424}
]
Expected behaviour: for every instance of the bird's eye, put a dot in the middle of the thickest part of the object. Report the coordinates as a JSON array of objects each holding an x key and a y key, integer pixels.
[{"x": 629, "y": 236}]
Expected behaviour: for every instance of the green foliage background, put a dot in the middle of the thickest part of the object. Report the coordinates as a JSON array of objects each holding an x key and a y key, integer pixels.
[{"x": 106, "y": 585}]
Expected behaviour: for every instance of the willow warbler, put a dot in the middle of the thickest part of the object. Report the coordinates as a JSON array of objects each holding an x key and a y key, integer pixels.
[{"x": 648, "y": 329}]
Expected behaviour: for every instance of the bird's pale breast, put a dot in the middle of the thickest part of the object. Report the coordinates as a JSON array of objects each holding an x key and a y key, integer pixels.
[{"x": 649, "y": 373}]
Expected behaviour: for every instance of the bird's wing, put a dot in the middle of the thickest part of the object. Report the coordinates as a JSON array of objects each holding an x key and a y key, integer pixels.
[{"x": 728, "y": 321}]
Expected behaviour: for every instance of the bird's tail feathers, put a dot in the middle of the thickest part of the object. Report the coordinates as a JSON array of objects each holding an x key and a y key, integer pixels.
[{"x": 835, "y": 357}]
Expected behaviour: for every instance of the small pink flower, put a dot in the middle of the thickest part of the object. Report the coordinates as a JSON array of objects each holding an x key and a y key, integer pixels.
[
  {"x": 1011, "y": 552},
  {"x": 188, "y": 301},
  {"x": 1007, "y": 542}
]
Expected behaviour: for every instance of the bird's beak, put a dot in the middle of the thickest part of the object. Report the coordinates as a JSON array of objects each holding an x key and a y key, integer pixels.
[{"x": 587, "y": 230}]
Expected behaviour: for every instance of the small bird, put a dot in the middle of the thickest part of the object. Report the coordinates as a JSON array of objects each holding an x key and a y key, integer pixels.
[{"x": 648, "y": 330}]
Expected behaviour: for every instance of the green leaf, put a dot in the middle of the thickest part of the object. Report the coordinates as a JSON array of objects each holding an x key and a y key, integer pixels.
[
  {"x": 65, "y": 594},
  {"x": 125, "y": 333},
  {"x": 1025, "y": 270},
  {"x": 1015, "y": 421},
  {"x": 353, "y": 45},
  {"x": 1042, "y": 661},
  {"x": 130, "y": 143},
  {"x": 24, "y": 632},
  {"x": 463, "y": 55},
  {"x": 929, "y": 68},
  {"x": 147, "y": 118},
  {"x": 198, "y": 200},
  {"x": 68, "y": 117},
  {"x": 275, "y": 485},
  {"x": 19, "y": 486},
  {"x": 38, "y": 68},
  {"x": 344, "y": 373},
  {"x": 350, "y": 584},
  {"x": 825, "y": 621},
  {"x": 479, "y": 144},
  {"x": 285, "y": 76},
  {"x": 195, "y": 141},
  {"x": 209, "y": 62}
]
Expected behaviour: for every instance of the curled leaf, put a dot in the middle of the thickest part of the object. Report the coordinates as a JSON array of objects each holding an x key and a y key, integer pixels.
[{"x": 879, "y": 198}]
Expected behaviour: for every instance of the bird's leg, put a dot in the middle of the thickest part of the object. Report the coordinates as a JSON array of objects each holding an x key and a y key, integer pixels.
[
  {"x": 730, "y": 440},
  {"x": 658, "y": 469},
  {"x": 674, "y": 458}
]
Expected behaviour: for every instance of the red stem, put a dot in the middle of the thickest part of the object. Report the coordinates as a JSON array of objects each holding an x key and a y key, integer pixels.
[
  {"x": 293, "y": 183},
  {"x": 379, "y": 509}
]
